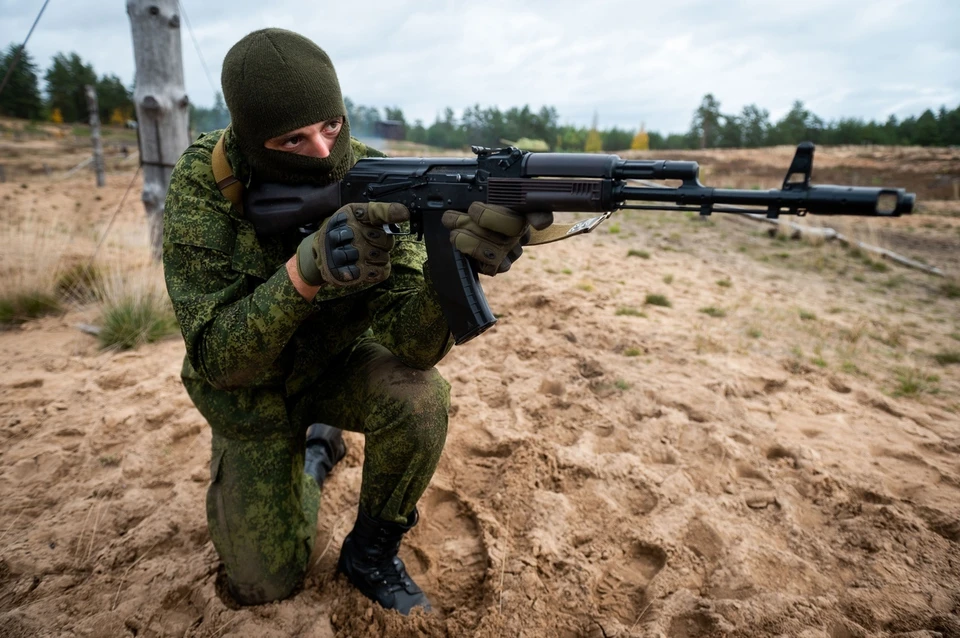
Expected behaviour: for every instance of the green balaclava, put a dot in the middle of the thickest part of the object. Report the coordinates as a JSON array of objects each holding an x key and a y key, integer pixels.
[{"x": 276, "y": 81}]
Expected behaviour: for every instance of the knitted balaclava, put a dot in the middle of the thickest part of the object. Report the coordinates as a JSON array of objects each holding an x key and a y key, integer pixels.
[{"x": 276, "y": 81}]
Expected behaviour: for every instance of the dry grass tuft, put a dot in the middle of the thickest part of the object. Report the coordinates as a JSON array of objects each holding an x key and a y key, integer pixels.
[
  {"x": 130, "y": 296},
  {"x": 32, "y": 251},
  {"x": 133, "y": 304}
]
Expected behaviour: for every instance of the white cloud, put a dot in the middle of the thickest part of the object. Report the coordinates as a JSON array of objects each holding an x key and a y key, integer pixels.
[{"x": 628, "y": 61}]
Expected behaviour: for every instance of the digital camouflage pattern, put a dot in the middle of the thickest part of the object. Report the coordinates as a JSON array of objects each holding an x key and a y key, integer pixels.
[{"x": 262, "y": 364}]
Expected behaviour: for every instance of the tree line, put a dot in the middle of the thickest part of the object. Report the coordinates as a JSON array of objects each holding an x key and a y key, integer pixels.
[
  {"x": 710, "y": 127},
  {"x": 64, "y": 98}
]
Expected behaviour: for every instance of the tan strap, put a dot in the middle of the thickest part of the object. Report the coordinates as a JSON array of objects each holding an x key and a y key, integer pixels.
[
  {"x": 230, "y": 187},
  {"x": 556, "y": 232}
]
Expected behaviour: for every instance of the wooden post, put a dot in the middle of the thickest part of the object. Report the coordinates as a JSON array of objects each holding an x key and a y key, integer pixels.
[
  {"x": 94, "y": 109},
  {"x": 163, "y": 113}
]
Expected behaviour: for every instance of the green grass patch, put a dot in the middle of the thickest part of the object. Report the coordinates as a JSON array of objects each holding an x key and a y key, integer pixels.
[
  {"x": 585, "y": 286},
  {"x": 850, "y": 367},
  {"x": 875, "y": 266},
  {"x": 658, "y": 300},
  {"x": 668, "y": 279},
  {"x": 109, "y": 460},
  {"x": 724, "y": 283},
  {"x": 950, "y": 289},
  {"x": 632, "y": 352},
  {"x": 754, "y": 333},
  {"x": 621, "y": 385},
  {"x": 567, "y": 271},
  {"x": 955, "y": 335},
  {"x": 806, "y": 315},
  {"x": 820, "y": 362},
  {"x": 642, "y": 254},
  {"x": 20, "y": 307},
  {"x": 713, "y": 311},
  {"x": 912, "y": 381},
  {"x": 131, "y": 322},
  {"x": 627, "y": 311},
  {"x": 613, "y": 229},
  {"x": 947, "y": 357},
  {"x": 894, "y": 282}
]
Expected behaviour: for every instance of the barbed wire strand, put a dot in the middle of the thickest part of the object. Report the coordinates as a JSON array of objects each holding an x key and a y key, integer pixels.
[
  {"x": 16, "y": 58},
  {"x": 196, "y": 45}
]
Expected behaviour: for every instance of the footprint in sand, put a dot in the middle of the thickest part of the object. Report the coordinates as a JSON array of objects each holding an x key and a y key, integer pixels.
[
  {"x": 445, "y": 553},
  {"x": 622, "y": 591}
]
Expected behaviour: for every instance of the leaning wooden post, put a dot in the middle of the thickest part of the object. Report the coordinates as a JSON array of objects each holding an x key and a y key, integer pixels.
[
  {"x": 163, "y": 114},
  {"x": 94, "y": 109}
]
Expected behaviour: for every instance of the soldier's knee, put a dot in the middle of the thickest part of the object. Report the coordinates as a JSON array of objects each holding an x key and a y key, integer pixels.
[
  {"x": 266, "y": 587},
  {"x": 424, "y": 401},
  {"x": 430, "y": 405}
]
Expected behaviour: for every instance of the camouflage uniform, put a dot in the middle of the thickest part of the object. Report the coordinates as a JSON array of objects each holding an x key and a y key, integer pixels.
[{"x": 262, "y": 363}]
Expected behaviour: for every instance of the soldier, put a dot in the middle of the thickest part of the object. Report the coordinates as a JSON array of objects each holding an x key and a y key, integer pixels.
[{"x": 281, "y": 332}]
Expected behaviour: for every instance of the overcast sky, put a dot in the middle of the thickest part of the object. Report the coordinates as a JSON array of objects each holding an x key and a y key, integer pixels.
[{"x": 628, "y": 61}]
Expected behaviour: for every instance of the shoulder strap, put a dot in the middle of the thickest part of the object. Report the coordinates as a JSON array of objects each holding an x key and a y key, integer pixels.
[
  {"x": 556, "y": 232},
  {"x": 230, "y": 187}
]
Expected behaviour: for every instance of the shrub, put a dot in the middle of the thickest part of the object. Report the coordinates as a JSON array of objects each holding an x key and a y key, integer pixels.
[
  {"x": 807, "y": 316},
  {"x": 724, "y": 283},
  {"x": 658, "y": 300},
  {"x": 947, "y": 357},
  {"x": 629, "y": 312},
  {"x": 713, "y": 311},
  {"x": 950, "y": 289},
  {"x": 130, "y": 322},
  {"x": 23, "y": 306},
  {"x": 638, "y": 253},
  {"x": 133, "y": 303}
]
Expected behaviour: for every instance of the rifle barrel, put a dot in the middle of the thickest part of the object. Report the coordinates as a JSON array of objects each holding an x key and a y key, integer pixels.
[{"x": 818, "y": 200}]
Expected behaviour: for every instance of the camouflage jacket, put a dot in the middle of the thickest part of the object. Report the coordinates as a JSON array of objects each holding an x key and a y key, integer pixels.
[{"x": 245, "y": 326}]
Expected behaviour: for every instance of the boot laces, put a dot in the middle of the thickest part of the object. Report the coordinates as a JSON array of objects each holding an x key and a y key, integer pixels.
[{"x": 390, "y": 570}]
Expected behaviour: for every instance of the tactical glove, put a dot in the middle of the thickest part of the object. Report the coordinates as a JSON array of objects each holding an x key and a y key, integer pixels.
[
  {"x": 351, "y": 246},
  {"x": 492, "y": 235}
]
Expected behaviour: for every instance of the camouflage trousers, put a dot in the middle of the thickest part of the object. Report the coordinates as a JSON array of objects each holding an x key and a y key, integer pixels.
[{"x": 261, "y": 506}]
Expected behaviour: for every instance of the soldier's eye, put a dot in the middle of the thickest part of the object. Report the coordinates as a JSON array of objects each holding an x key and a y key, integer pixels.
[{"x": 292, "y": 141}]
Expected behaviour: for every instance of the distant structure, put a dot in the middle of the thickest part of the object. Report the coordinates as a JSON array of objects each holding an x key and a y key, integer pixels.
[
  {"x": 390, "y": 130},
  {"x": 163, "y": 110}
]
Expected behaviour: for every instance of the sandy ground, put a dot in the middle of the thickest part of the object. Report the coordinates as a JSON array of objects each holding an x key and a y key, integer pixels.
[{"x": 613, "y": 468}]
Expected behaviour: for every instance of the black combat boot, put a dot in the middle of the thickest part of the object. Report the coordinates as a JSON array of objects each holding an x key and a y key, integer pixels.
[
  {"x": 325, "y": 448},
  {"x": 369, "y": 560}
]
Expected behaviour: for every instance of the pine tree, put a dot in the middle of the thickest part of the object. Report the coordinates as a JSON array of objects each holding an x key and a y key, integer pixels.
[
  {"x": 66, "y": 79},
  {"x": 21, "y": 95}
]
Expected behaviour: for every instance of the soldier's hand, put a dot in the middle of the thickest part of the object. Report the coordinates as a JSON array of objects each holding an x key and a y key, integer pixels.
[
  {"x": 492, "y": 235},
  {"x": 351, "y": 246}
]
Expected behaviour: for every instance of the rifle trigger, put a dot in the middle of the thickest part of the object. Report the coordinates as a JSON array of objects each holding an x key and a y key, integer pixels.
[{"x": 393, "y": 229}]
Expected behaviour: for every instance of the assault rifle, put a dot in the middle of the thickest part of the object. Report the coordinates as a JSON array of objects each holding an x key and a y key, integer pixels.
[{"x": 532, "y": 182}]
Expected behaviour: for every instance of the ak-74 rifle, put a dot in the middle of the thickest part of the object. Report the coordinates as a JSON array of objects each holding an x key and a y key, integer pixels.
[{"x": 536, "y": 182}]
